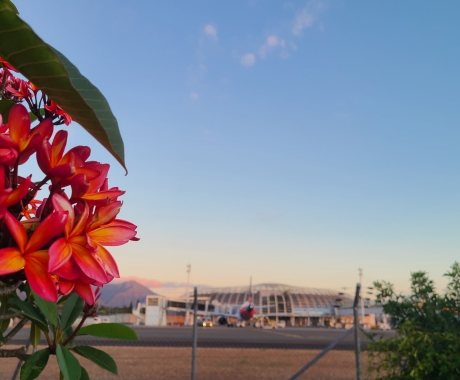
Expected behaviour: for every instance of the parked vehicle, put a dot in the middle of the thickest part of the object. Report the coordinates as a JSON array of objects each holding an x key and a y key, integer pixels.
[{"x": 205, "y": 322}]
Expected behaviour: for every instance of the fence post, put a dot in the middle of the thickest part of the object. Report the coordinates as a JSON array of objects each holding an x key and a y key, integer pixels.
[
  {"x": 194, "y": 331},
  {"x": 356, "y": 328}
]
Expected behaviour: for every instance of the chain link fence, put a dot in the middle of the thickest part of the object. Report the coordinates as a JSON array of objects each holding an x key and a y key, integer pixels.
[{"x": 223, "y": 353}]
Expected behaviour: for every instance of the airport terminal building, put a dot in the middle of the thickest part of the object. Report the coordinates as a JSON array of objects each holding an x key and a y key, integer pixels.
[{"x": 296, "y": 306}]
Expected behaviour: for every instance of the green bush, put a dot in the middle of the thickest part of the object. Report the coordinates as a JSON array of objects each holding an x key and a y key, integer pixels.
[{"x": 426, "y": 344}]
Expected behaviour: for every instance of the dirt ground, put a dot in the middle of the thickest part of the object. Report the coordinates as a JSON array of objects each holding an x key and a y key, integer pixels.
[{"x": 146, "y": 363}]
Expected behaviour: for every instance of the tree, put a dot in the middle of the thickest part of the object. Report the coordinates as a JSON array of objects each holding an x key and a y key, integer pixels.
[
  {"x": 426, "y": 344},
  {"x": 52, "y": 245}
]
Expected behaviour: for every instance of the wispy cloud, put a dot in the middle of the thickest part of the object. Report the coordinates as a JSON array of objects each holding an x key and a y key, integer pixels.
[
  {"x": 270, "y": 44},
  {"x": 303, "y": 20},
  {"x": 307, "y": 16},
  {"x": 210, "y": 30},
  {"x": 206, "y": 44},
  {"x": 248, "y": 59}
]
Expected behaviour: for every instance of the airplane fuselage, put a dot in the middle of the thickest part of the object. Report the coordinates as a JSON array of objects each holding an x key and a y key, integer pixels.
[{"x": 247, "y": 311}]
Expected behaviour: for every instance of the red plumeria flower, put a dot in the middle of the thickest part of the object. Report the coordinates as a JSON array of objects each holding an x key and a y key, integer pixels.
[
  {"x": 51, "y": 159},
  {"x": 30, "y": 255},
  {"x": 19, "y": 89},
  {"x": 31, "y": 210},
  {"x": 20, "y": 137},
  {"x": 54, "y": 108},
  {"x": 73, "y": 243},
  {"x": 97, "y": 193}
]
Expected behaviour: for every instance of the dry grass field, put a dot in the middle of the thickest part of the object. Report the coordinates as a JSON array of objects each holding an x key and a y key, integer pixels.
[{"x": 150, "y": 363}]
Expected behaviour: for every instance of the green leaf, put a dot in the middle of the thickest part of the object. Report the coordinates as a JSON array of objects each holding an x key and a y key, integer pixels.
[
  {"x": 109, "y": 330},
  {"x": 68, "y": 363},
  {"x": 2, "y": 338},
  {"x": 73, "y": 306},
  {"x": 49, "y": 309},
  {"x": 35, "y": 334},
  {"x": 4, "y": 323},
  {"x": 58, "y": 78},
  {"x": 34, "y": 365},
  {"x": 5, "y": 107},
  {"x": 11, "y": 6},
  {"x": 31, "y": 312},
  {"x": 99, "y": 357},
  {"x": 84, "y": 374}
]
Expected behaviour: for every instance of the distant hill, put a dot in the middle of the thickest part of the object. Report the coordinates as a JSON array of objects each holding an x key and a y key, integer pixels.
[{"x": 124, "y": 293}]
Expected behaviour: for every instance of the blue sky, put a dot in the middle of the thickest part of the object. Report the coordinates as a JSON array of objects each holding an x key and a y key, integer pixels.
[{"x": 290, "y": 141}]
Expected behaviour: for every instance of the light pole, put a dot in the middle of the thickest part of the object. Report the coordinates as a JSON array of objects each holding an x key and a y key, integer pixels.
[
  {"x": 187, "y": 291},
  {"x": 362, "y": 301}
]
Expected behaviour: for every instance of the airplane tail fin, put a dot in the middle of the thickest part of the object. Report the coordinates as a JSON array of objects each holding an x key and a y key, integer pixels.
[{"x": 250, "y": 290}]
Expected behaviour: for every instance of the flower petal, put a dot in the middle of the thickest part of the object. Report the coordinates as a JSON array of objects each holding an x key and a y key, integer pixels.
[
  {"x": 45, "y": 129},
  {"x": 19, "y": 123},
  {"x": 8, "y": 156},
  {"x": 60, "y": 252},
  {"x": 58, "y": 147},
  {"x": 105, "y": 214},
  {"x": 69, "y": 271},
  {"x": 19, "y": 193},
  {"x": 11, "y": 260},
  {"x": 62, "y": 204},
  {"x": 107, "y": 261},
  {"x": 40, "y": 280},
  {"x": 17, "y": 230},
  {"x": 101, "y": 197},
  {"x": 65, "y": 286},
  {"x": 112, "y": 235},
  {"x": 62, "y": 171},
  {"x": 53, "y": 225},
  {"x": 80, "y": 225},
  {"x": 88, "y": 264},
  {"x": 85, "y": 291}
]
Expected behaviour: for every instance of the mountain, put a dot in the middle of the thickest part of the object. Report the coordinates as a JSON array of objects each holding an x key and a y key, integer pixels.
[
  {"x": 150, "y": 283},
  {"x": 123, "y": 294},
  {"x": 144, "y": 281}
]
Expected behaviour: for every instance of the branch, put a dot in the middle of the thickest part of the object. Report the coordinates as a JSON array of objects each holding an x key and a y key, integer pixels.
[
  {"x": 15, "y": 330},
  {"x": 19, "y": 353},
  {"x": 9, "y": 289},
  {"x": 9, "y": 315},
  {"x": 6, "y": 290},
  {"x": 74, "y": 333}
]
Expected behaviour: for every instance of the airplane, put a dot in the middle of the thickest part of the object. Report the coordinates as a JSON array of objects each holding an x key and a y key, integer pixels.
[{"x": 246, "y": 313}]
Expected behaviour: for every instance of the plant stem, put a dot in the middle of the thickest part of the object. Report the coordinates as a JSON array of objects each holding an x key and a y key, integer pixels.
[
  {"x": 75, "y": 331},
  {"x": 15, "y": 330},
  {"x": 48, "y": 340}
]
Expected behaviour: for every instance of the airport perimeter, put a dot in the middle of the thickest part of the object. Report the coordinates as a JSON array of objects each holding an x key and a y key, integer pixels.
[
  {"x": 222, "y": 353},
  {"x": 167, "y": 363}
]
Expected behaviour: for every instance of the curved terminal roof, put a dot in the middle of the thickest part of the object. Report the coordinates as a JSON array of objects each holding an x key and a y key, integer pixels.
[{"x": 278, "y": 299}]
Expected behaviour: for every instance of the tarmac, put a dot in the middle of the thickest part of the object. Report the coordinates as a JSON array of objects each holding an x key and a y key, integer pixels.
[{"x": 226, "y": 337}]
